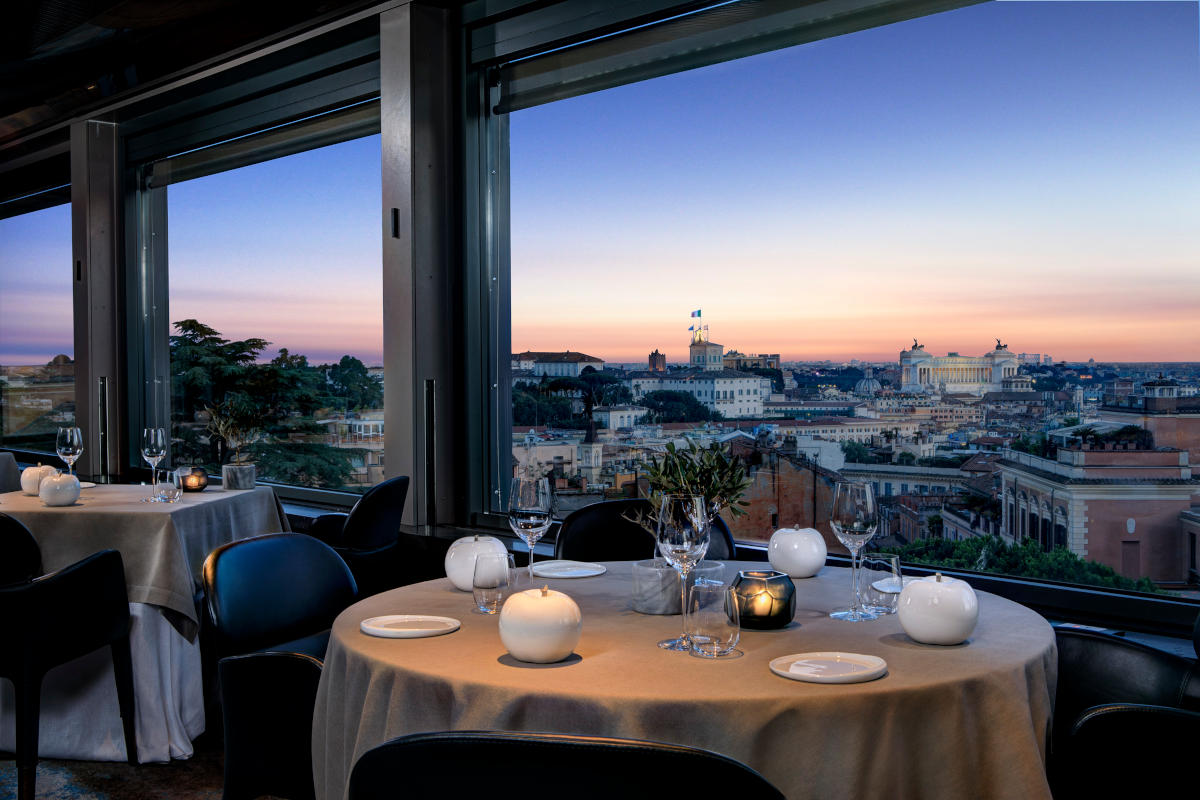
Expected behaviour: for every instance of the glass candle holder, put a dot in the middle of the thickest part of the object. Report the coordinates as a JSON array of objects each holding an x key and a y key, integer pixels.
[
  {"x": 192, "y": 479},
  {"x": 766, "y": 599}
]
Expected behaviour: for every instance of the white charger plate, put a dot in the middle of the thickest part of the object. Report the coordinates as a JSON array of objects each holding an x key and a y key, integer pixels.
[
  {"x": 86, "y": 485},
  {"x": 830, "y": 667},
  {"x": 408, "y": 626},
  {"x": 567, "y": 569}
]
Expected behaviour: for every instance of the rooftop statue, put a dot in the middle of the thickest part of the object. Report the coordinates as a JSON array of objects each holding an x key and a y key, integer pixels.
[{"x": 1000, "y": 346}]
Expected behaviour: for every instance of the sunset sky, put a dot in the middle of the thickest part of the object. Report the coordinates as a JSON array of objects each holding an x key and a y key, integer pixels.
[
  {"x": 1025, "y": 170},
  {"x": 1022, "y": 170}
]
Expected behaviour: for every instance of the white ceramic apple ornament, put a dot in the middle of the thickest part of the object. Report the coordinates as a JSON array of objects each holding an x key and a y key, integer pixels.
[
  {"x": 938, "y": 610},
  {"x": 460, "y": 558},
  {"x": 59, "y": 489},
  {"x": 540, "y": 626},
  {"x": 32, "y": 477},
  {"x": 800, "y": 552}
]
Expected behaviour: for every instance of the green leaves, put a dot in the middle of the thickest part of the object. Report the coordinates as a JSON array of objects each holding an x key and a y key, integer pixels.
[{"x": 707, "y": 471}]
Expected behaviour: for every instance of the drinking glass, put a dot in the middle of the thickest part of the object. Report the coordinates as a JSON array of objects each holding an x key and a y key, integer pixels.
[
  {"x": 69, "y": 446},
  {"x": 492, "y": 582},
  {"x": 682, "y": 540},
  {"x": 529, "y": 511},
  {"x": 154, "y": 449},
  {"x": 169, "y": 489},
  {"x": 712, "y": 619},
  {"x": 854, "y": 520},
  {"x": 881, "y": 582}
]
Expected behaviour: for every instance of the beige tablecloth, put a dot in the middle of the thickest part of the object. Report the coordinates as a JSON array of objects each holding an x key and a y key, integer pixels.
[
  {"x": 163, "y": 545},
  {"x": 969, "y": 721}
]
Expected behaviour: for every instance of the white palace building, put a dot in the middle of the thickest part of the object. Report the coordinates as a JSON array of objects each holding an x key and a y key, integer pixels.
[{"x": 922, "y": 373}]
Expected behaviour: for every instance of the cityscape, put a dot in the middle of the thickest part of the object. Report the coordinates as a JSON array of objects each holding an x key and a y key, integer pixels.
[{"x": 998, "y": 448}]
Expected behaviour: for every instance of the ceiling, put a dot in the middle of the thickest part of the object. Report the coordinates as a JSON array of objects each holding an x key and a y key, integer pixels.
[{"x": 60, "y": 57}]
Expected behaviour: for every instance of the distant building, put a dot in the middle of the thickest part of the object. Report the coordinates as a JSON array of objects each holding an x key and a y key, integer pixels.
[
  {"x": 1172, "y": 420},
  {"x": 614, "y": 417},
  {"x": 658, "y": 361},
  {"x": 734, "y": 394},
  {"x": 928, "y": 374},
  {"x": 704, "y": 354},
  {"x": 1107, "y": 503},
  {"x": 567, "y": 364},
  {"x": 740, "y": 361}
]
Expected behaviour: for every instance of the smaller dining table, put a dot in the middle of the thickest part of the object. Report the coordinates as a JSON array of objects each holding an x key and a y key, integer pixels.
[
  {"x": 967, "y": 721},
  {"x": 163, "y": 547}
]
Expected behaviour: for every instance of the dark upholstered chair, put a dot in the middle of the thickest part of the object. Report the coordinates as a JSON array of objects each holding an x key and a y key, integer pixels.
[
  {"x": 20, "y": 557},
  {"x": 603, "y": 532},
  {"x": 420, "y": 766},
  {"x": 270, "y": 602},
  {"x": 1130, "y": 750},
  {"x": 1098, "y": 669},
  {"x": 91, "y": 594},
  {"x": 367, "y": 537}
]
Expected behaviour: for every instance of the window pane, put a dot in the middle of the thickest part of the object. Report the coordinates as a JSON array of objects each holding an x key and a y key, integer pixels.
[
  {"x": 37, "y": 345},
  {"x": 749, "y": 248},
  {"x": 275, "y": 299}
]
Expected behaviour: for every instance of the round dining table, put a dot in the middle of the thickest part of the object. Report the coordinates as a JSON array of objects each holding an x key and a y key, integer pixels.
[{"x": 964, "y": 721}]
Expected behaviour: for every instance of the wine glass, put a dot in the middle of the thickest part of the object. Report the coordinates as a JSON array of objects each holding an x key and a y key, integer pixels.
[
  {"x": 854, "y": 519},
  {"x": 682, "y": 540},
  {"x": 154, "y": 449},
  {"x": 69, "y": 446},
  {"x": 529, "y": 512}
]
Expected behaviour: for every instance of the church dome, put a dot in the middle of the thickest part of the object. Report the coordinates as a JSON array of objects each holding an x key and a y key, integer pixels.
[{"x": 867, "y": 385}]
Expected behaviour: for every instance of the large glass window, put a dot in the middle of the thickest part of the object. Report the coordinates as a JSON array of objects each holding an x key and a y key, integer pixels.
[
  {"x": 742, "y": 254},
  {"x": 37, "y": 345},
  {"x": 276, "y": 311}
]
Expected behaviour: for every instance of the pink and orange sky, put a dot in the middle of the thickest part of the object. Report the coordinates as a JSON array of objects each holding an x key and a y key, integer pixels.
[{"x": 1028, "y": 171}]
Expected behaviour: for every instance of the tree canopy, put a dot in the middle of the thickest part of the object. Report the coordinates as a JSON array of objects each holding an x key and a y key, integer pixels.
[
  {"x": 282, "y": 397},
  {"x": 668, "y": 406}
]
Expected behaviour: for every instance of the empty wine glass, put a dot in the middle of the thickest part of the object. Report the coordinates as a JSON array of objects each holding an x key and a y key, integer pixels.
[
  {"x": 529, "y": 512},
  {"x": 69, "y": 446},
  {"x": 854, "y": 520},
  {"x": 682, "y": 540},
  {"x": 154, "y": 449}
]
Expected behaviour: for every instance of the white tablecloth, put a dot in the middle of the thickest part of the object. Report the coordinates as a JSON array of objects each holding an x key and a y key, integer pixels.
[{"x": 163, "y": 546}]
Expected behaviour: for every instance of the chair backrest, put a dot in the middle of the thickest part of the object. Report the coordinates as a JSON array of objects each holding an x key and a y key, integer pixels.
[
  {"x": 593, "y": 766},
  {"x": 720, "y": 542},
  {"x": 1097, "y": 668},
  {"x": 89, "y": 597},
  {"x": 374, "y": 522},
  {"x": 20, "y": 557},
  {"x": 1129, "y": 750},
  {"x": 270, "y": 589},
  {"x": 604, "y": 532}
]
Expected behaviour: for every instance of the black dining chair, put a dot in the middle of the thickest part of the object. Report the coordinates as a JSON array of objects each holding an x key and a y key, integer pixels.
[
  {"x": 1130, "y": 750},
  {"x": 592, "y": 766},
  {"x": 91, "y": 594},
  {"x": 20, "y": 556},
  {"x": 606, "y": 532},
  {"x": 367, "y": 538},
  {"x": 270, "y": 602},
  {"x": 1097, "y": 669}
]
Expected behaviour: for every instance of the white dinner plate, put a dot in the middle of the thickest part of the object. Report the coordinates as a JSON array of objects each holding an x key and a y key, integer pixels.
[
  {"x": 86, "y": 485},
  {"x": 829, "y": 667},
  {"x": 567, "y": 569},
  {"x": 408, "y": 626}
]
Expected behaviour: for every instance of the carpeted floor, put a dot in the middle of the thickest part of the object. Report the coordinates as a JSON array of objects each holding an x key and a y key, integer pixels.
[{"x": 198, "y": 778}]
